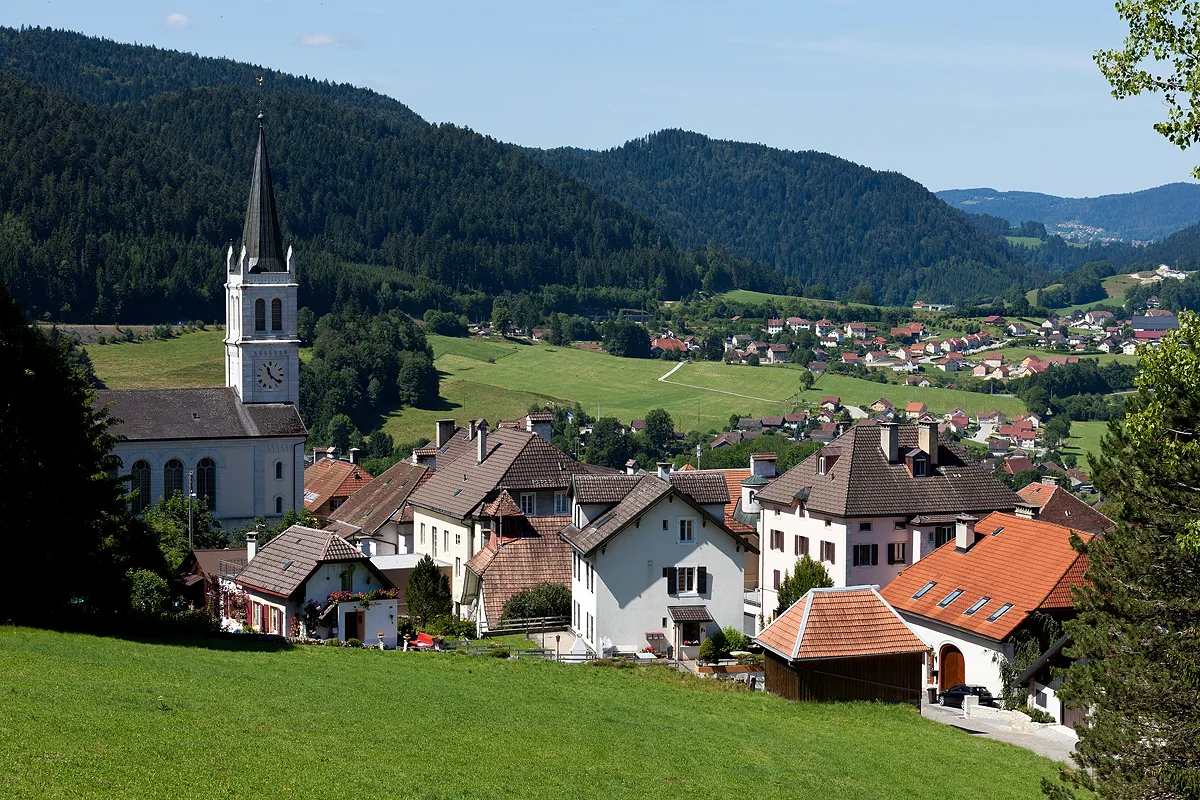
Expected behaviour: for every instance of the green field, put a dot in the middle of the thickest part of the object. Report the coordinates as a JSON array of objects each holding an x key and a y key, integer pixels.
[
  {"x": 84, "y": 716},
  {"x": 1025, "y": 241},
  {"x": 759, "y": 298},
  {"x": 1014, "y": 355},
  {"x": 191, "y": 359},
  {"x": 1085, "y": 439}
]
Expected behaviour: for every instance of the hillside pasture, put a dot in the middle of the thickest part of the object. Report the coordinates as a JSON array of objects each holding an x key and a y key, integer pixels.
[
  {"x": 85, "y": 716},
  {"x": 188, "y": 360}
]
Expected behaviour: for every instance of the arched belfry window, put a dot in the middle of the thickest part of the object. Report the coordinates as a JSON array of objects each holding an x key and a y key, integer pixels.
[
  {"x": 278, "y": 505},
  {"x": 172, "y": 478},
  {"x": 206, "y": 481},
  {"x": 276, "y": 314},
  {"x": 140, "y": 483},
  {"x": 278, "y": 470},
  {"x": 260, "y": 314}
]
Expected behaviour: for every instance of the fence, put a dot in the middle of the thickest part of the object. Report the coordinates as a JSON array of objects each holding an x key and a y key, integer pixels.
[{"x": 527, "y": 625}]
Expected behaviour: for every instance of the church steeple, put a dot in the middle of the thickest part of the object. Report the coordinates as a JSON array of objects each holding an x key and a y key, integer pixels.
[{"x": 260, "y": 234}]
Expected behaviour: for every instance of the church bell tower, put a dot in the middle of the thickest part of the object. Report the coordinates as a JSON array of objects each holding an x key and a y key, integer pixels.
[{"x": 262, "y": 343}]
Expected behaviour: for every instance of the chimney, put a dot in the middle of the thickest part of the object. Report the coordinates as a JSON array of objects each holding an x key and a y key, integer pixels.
[
  {"x": 664, "y": 470},
  {"x": 631, "y": 467},
  {"x": 1027, "y": 511},
  {"x": 762, "y": 464},
  {"x": 964, "y": 532},
  {"x": 540, "y": 423},
  {"x": 481, "y": 441},
  {"x": 928, "y": 440},
  {"x": 443, "y": 431},
  {"x": 331, "y": 453},
  {"x": 1050, "y": 480},
  {"x": 251, "y": 546},
  {"x": 889, "y": 441},
  {"x": 470, "y": 430},
  {"x": 354, "y": 455}
]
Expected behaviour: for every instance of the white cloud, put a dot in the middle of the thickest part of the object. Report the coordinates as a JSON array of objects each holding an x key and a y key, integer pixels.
[
  {"x": 324, "y": 40},
  {"x": 178, "y": 20}
]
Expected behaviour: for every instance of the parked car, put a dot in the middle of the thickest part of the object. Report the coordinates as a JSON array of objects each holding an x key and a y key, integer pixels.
[{"x": 955, "y": 694}]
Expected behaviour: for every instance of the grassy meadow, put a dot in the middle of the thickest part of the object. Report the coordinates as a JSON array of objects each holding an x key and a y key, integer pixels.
[
  {"x": 84, "y": 716},
  {"x": 190, "y": 359}
]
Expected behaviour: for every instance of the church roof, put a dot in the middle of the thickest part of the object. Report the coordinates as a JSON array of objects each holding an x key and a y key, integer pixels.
[
  {"x": 260, "y": 234},
  {"x": 217, "y": 413}
]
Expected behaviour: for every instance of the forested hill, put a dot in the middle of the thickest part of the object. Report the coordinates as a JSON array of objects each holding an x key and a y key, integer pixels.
[
  {"x": 1146, "y": 215},
  {"x": 126, "y": 170},
  {"x": 819, "y": 218}
]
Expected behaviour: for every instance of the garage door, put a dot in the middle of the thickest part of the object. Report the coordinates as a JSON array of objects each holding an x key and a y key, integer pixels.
[{"x": 952, "y": 668}]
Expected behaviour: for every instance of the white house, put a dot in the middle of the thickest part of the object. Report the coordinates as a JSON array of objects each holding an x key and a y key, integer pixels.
[
  {"x": 378, "y": 518},
  {"x": 455, "y": 509},
  {"x": 653, "y": 564},
  {"x": 310, "y": 583},
  {"x": 969, "y": 598},
  {"x": 875, "y": 500},
  {"x": 240, "y": 446}
]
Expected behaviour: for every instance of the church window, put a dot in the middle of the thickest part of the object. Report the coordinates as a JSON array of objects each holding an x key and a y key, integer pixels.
[
  {"x": 278, "y": 505},
  {"x": 206, "y": 481},
  {"x": 172, "y": 478},
  {"x": 276, "y": 314},
  {"x": 140, "y": 482},
  {"x": 278, "y": 470},
  {"x": 260, "y": 314}
]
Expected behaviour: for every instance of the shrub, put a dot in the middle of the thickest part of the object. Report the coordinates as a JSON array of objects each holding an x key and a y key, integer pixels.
[
  {"x": 709, "y": 652},
  {"x": 735, "y": 639},
  {"x": 428, "y": 592},
  {"x": 163, "y": 331},
  {"x": 100, "y": 339},
  {"x": 541, "y": 600},
  {"x": 148, "y": 592},
  {"x": 612, "y": 663},
  {"x": 447, "y": 625},
  {"x": 499, "y": 652},
  {"x": 1036, "y": 714},
  {"x": 352, "y": 642}
]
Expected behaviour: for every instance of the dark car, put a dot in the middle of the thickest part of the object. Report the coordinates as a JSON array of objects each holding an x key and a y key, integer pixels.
[{"x": 955, "y": 694}]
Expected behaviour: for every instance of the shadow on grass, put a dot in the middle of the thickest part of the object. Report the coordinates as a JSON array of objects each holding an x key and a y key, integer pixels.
[{"x": 138, "y": 631}]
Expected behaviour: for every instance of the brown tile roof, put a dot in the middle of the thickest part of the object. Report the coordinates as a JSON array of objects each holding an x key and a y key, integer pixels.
[
  {"x": 697, "y": 613},
  {"x": 862, "y": 483},
  {"x": 372, "y": 505},
  {"x": 283, "y": 565},
  {"x": 706, "y": 488},
  {"x": 839, "y": 623},
  {"x": 503, "y": 505},
  {"x": 326, "y": 478},
  {"x": 536, "y": 555},
  {"x": 602, "y": 488},
  {"x": 216, "y": 413},
  {"x": 458, "y": 486},
  {"x": 209, "y": 560},
  {"x": 541, "y": 465},
  {"x": 1022, "y": 564},
  {"x": 733, "y": 483},
  {"x": 1063, "y": 508}
]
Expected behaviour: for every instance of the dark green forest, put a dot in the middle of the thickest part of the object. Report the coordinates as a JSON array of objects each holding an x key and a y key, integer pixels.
[
  {"x": 818, "y": 218},
  {"x": 125, "y": 175}
]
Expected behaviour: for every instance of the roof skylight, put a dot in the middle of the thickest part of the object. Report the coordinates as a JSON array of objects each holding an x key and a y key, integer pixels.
[
  {"x": 999, "y": 612},
  {"x": 921, "y": 592},
  {"x": 950, "y": 598},
  {"x": 978, "y": 604}
]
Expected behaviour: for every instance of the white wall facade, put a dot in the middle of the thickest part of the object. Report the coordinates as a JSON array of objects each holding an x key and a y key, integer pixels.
[
  {"x": 246, "y": 348},
  {"x": 979, "y": 653},
  {"x": 378, "y": 617},
  {"x": 629, "y": 596},
  {"x": 455, "y": 544},
  {"x": 246, "y": 486}
]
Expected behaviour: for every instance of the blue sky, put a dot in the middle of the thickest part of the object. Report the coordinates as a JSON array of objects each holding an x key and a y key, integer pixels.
[{"x": 953, "y": 94}]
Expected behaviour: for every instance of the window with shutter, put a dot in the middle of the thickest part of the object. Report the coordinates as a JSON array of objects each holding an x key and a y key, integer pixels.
[
  {"x": 874, "y": 554},
  {"x": 669, "y": 574},
  {"x": 702, "y": 580},
  {"x": 776, "y": 585}
]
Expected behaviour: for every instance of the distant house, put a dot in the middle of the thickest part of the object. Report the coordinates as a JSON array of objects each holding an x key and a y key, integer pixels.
[
  {"x": 1016, "y": 464},
  {"x": 993, "y": 417},
  {"x": 849, "y": 358},
  {"x": 202, "y": 570},
  {"x": 772, "y": 422},
  {"x": 821, "y": 648},
  {"x": 831, "y": 403},
  {"x": 882, "y": 404},
  {"x": 750, "y": 424},
  {"x": 329, "y": 482},
  {"x": 914, "y": 409},
  {"x": 959, "y": 423},
  {"x": 1098, "y": 317},
  {"x": 1017, "y": 329},
  {"x": 998, "y": 445},
  {"x": 1055, "y": 504},
  {"x": 877, "y": 357},
  {"x": 949, "y": 364},
  {"x": 817, "y": 367},
  {"x": 857, "y": 330},
  {"x": 995, "y": 320},
  {"x": 777, "y": 353},
  {"x": 637, "y": 425},
  {"x": 667, "y": 345},
  {"x": 774, "y": 326},
  {"x": 916, "y": 380}
]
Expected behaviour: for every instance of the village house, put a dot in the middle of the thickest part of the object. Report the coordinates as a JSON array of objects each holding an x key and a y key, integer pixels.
[
  {"x": 914, "y": 409},
  {"x": 455, "y": 510},
  {"x": 378, "y": 518},
  {"x": 691, "y": 582},
  {"x": 201, "y": 573},
  {"x": 774, "y": 326},
  {"x": 661, "y": 346},
  {"x": 970, "y": 598},
  {"x": 856, "y": 330},
  {"x": 1017, "y": 329},
  {"x": 817, "y": 367},
  {"x": 330, "y": 482},
  {"x": 831, "y": 403},
  {"x": 1057, "y": 505},
  {"x": 843, "y": 644},
  {"x": 875, "y": 500},
  {"x": 777, "y": 354},
  {"x": 308, "y": 583},
  {"x": 917, "y": 380}
]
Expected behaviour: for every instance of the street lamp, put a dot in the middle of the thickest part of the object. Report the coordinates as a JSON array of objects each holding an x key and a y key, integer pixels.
[
  {"x": 191, "y": 504},
  {"x": 556, "y": 638}
]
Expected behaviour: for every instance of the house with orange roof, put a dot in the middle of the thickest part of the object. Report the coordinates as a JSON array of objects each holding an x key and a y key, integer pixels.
[
  {"x": 1055, "y": 504},
  {"x": 969, "y": 599},
  {"x": 914, "y": 409},
  {"x": 822, "y": 647},
  {"x": 329, "y": 482}
]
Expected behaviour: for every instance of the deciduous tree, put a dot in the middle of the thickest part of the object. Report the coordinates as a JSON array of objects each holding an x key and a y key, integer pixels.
[{"x": 809, "y": 574}]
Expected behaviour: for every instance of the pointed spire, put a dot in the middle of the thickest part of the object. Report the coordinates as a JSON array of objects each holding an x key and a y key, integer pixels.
[{"x": 260, "y": 235}]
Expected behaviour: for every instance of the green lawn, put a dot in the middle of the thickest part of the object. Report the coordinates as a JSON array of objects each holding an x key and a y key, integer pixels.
[
  {"x": 1025, "y": 241},
  {"x": 1014, "y": 355},
  {"x": 759, "y": 298},
  {"x": 191, "y": 359},
  {"x": 1085, "y": 439},
  {"x": 85, "y": 717}
]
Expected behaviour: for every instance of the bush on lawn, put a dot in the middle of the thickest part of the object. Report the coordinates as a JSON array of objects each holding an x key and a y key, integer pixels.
[
  {"x": 352, "y": 642},
  {"x": 714, "y": 648},
  {"x": 735, "y": 640},
  {"x": 499, "y": 652},
  {"x": 447, "y": 625}
]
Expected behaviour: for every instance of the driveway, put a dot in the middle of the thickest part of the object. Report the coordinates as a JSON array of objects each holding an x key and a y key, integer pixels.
[{"x": 1056, "y": 742}]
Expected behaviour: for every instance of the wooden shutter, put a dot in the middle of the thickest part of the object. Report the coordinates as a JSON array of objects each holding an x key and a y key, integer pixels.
[
  {"x": 874, "y": 554},
  {"x": 701, "y": 580},
  {"x": 669, "y": 574}
]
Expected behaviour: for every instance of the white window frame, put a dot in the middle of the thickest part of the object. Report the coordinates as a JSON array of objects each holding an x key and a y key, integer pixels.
[
  {"x": 529, "y": 503},
  {"x": 682, "y": 572},
  {"x": 422, "y": 533},
  {"x": 445, "y": 540},
  {"x": 690, "y": 524},
  {"x": 561, "y": 508},
  {"x": 457, "y": 567}
]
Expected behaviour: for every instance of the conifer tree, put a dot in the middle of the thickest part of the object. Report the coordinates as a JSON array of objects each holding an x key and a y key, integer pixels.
[{"x": 428, "y": 593}]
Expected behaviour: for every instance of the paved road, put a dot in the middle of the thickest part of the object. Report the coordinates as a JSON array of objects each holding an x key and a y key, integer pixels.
[{"x": 1055, "y": 742}]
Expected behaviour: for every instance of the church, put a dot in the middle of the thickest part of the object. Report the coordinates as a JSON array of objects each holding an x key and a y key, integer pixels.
[{"x": 240, "y": 446}]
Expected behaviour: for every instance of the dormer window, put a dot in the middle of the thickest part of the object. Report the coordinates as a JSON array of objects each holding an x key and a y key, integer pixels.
[
  {"x": 822, "y": 466},
  {"x": 920, "y": 468}
]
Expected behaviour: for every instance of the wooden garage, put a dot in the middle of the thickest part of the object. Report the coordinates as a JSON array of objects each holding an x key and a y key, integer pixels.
[{"x": 843, "y": 644}]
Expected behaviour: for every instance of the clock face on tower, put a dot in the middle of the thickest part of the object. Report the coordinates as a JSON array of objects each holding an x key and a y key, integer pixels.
[{"x": 270, "y": 375}]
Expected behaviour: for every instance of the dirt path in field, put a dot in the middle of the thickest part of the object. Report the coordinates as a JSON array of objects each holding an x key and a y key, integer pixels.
[{"x": 718, "y": 391}]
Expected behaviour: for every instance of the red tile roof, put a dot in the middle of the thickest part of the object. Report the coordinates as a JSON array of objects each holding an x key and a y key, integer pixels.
[
  {"x": 327, "y": 478},
  {"x": 839, "y": 623},
  {"x": 536, "y": 555},
  {"x": 1014, "y": 560},
  {"x": 374, "y": 504},
  {"x": 1063, "y": 508}
]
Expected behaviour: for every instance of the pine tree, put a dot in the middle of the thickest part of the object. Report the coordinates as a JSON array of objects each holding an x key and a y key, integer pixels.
[
  {"x": 1136, "y": 639},
  {"x": 428, "y": 593}
]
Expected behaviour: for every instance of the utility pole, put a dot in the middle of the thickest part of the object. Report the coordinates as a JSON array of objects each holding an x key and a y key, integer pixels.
[{"x": 191, "y": 505}]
